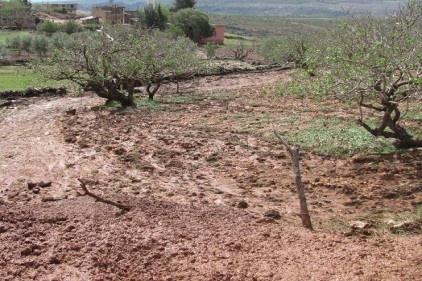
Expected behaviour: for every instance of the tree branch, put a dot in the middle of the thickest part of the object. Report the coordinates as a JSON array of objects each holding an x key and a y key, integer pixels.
[{"x": 124, "y": 208}]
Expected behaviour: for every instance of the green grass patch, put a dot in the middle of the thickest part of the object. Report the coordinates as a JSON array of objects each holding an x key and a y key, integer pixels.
[
  {"x": 4, "y": 35},
  {"x": 20, "y": 78},
  {"x": 338, "y": 137}
]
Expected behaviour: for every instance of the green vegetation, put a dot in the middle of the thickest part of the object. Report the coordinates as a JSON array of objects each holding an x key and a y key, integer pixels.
[
  {"x": 152, "y": 17},
  {"x": 337, "y": 137},
  {"x": 270, "y": 26},
  {"x": 194, "y": 23},
  {"x": 183, "y": 4},
  {"x": 8, "y": 35},
  {"x": 377, "y": 62},
  {"x": 114, "y": 62},
  {"x": 20, "y": 77}
]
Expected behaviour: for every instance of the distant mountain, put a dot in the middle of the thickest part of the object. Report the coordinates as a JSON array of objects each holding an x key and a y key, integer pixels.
[{"x": 265, "y": 7}]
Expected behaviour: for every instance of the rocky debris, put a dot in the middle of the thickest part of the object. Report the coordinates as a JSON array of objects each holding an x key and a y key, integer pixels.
[
  {"x": 6, "y": 103},
  {"x": 274, "y": 214},
  {"x": 360, "y": 228},
  {"x": 34, "y": 186},
  {"x": 3, "y": 228},
  {"x": 31, "y": 185},
  {"x": 242, "y": 204},
  {"x": 71, "y": 111},
  {"x": 360, "y": 225},
  {"x": 406, "y": 226}
]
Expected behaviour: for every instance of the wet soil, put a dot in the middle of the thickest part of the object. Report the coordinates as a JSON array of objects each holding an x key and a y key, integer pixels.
[{"x": 200, "y": 171}]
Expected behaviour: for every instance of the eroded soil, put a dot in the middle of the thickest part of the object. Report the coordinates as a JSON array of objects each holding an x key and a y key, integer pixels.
[{"x": 199, "y": 170}]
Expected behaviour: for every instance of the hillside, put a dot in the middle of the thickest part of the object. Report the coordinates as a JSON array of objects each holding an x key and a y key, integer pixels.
[{"x": 271, "y": 7}]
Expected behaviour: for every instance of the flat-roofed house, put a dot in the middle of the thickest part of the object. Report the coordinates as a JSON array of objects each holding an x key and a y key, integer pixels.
[{"x": 110, "y": 14}]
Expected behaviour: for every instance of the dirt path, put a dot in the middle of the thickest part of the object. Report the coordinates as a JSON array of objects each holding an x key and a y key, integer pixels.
[{"x": 185, "y": 165}]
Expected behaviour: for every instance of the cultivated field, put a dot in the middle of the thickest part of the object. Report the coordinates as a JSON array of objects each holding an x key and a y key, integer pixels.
[{"x": 210, "y": 189}]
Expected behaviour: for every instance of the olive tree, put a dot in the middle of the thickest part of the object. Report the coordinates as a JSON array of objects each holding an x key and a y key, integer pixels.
[
  {"x": 16, "y": 13},
  {"x": 112, "y": 63},
  {"x": 378, "y": 63}
]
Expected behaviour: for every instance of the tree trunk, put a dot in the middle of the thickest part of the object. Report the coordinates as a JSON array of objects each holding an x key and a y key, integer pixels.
[
  {"x": 304, "y": 212},
  {"x": 152, "y": 90},
  {"x": 407, "y": 143}
]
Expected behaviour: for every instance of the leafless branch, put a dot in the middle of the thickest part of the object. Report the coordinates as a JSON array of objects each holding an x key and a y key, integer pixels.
[{"x": 122, "y": 207}]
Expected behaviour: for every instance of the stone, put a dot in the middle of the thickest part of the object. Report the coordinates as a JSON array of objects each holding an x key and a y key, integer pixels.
[
  {"x": 31, "y": 185},
  {"x": 44, "y": 184},
  {"x": 71, "y": 111},
  {"x": 242, "y": 204},
  {"x": 360, "y": 225},
  {"x": 3, "y": 228},
  {"x": 274, "y": 214},
  {"x": 36, "y": 190},
  {"x": 406, "y": 226}
]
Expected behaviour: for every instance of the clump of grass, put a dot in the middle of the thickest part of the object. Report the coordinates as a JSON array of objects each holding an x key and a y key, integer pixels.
[{"x": 338, "y": 137}]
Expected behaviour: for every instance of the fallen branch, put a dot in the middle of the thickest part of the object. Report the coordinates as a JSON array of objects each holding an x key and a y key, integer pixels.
[
  {"x": 294, "y": 155},
  {"x": 99, "y": 199}
]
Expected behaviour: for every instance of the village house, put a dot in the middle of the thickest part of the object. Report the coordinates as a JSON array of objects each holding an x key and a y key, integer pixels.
[
  {"x": 63, "y": 8},
  {"x": 111, "y": 14},
  {"x": 218, "y": 36}
]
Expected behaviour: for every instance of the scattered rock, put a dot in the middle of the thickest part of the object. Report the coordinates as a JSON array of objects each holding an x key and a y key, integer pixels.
[
  {"x": 27, "y": 251},
  {"x": 54, "y": 260},
  {"x": 44, "y": 184},
  {"x": 242, "y": 204},
  {"x": 360, "y": 225},
  {"x": 70, "y": 139},
  {"x": 31, "y": 185},
  {"x": 3, "y": 228},
  {"x": 120, "y": 151},
  {"x": 217, "y": 191},
  {"x": 406, "y": 226},
  {"x": 36, "y": 190},
  {"x": 71, "y": 111},
  {"x": 272, "y": 214}
]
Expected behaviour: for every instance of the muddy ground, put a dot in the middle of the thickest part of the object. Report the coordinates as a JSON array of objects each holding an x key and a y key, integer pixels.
[{"x": 205, "y": 181}]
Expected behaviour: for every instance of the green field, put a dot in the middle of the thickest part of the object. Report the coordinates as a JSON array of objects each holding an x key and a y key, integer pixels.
[
  {"x": 264, "y": 26},
  {"x": 9, "y": 34},
  {"x": 21, "y": 77}
]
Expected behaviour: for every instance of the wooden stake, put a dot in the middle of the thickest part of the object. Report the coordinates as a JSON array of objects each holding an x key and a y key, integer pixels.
[{"x": 294, "y": 155}]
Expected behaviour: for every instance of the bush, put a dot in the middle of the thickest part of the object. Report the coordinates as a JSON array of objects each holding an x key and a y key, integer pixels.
[
  {"x": 210, "y": 49},
  {"x": 40, "y": 45},
  {"x": 175, "y": 31},
  {"x": 71, "y": 26},
  {"x": 26, "y": 43},
  {"x": 48, "y": 27}
]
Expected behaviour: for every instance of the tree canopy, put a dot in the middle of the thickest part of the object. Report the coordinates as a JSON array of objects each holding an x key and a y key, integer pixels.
[
  {"x": 15, "y": 13},
  {"x": 116, "y": 61},
  {"x": 183, "y": 4},
  {"x": 151, "y": 17},
  {"x": 195, "y": 24},
  {"x": 377, "y": 61}
]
